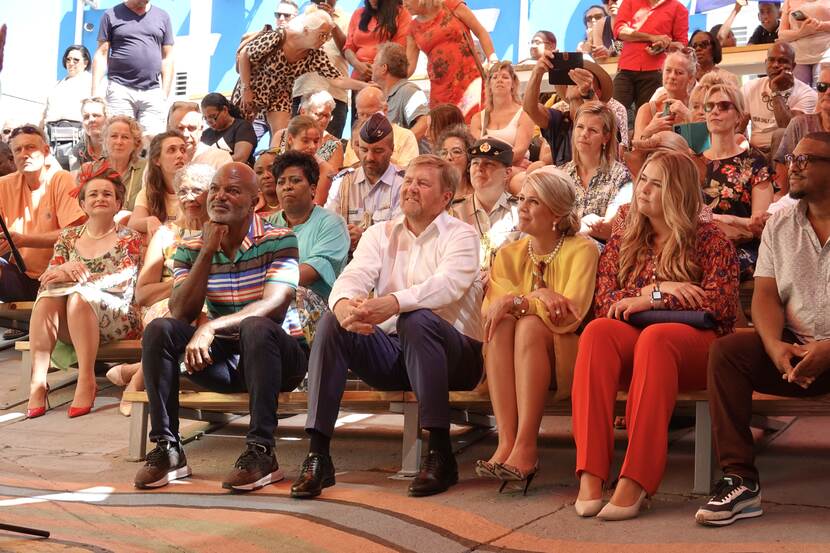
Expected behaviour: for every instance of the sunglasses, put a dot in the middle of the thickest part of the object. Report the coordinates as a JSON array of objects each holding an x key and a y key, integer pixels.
[
  {"x": 25, "y": 129},
  {"x": 282, "y": 15},
  {"x": 722, "y": 106},
  {"x": 595, "y": 17},
  {"x": 801, "y": 160},
  {"x": 822, "y": 87}
]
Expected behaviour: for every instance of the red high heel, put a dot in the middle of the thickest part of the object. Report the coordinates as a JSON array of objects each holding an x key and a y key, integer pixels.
[
  {"x": 39, "y": 411},
  {"x": 81, "y": 411}
]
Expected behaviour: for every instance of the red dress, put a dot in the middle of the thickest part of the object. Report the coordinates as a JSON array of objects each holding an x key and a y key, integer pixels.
[{"x": 451, "y": 66}]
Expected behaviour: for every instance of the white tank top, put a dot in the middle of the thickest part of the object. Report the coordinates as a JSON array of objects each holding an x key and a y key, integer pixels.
[{"x": 508, "y": 133}]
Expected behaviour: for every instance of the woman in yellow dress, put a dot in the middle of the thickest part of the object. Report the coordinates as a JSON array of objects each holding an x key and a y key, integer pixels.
[{"x": 540, "y": 289}]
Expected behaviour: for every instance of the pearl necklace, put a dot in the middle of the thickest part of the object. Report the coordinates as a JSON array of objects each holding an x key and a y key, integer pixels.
[
  {"x": 549, "y": 257},
  {"x": 86, "y": 230}
]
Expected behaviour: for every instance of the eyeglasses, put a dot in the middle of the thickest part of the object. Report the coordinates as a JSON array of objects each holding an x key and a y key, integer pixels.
[
  {"x": 822, "y": 87},
  {"x": 801, "y": 160},
  {"x": 595, "y": 17},
  {"x": 722, "y": 106},
  {"x": 74, "y": 60},
  {"x": 452, "y": 152},
  {"x": 283, "y": 15},
  {"x": 702, "y": 45},
  {"x": 540, "y": 42},
  {"x": 187, "y": 191}
]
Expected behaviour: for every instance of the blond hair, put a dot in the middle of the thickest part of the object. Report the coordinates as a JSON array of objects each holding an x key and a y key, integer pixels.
[
  {"x": 735, "y": 96},
  {"x": 609, "y": 125},
  {"x": 135, "y": 132},
  {"x": 557, "y": 191},
  {"x": 514, "y": 87},
  {"x": 681, "y": 203}
]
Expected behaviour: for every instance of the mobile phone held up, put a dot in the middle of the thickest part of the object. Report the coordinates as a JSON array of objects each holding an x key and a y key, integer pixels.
[
  {"x": 798, "y": 15},
  {"x": 562, "y": 63}
]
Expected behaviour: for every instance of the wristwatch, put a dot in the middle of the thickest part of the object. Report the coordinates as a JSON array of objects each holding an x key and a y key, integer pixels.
[
  {"x": 589, "y": 95},
  {"x": 516, "y": 310},
  {"x": 656, "y": 296}
]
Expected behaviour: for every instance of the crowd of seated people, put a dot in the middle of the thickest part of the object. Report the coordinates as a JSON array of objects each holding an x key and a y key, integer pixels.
[{"x": 433, "y": 248}]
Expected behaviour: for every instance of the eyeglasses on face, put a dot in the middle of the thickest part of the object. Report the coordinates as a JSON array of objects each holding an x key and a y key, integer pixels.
[
  {"x": 702, "y": 45},
  {"x": 801, "y": 160},
  {"x": 283, "y": 15},
  {"x": 74, "y": 60},
  {"x": 822, "y": 87},
  {"x": 451, "y": 152},
  {"x": 190, "y": 191},
  {"x": 723, "y": 105}
]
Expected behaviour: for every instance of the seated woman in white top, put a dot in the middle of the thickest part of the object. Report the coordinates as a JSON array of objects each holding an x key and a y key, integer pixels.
[{"x": 503, "y": 117}]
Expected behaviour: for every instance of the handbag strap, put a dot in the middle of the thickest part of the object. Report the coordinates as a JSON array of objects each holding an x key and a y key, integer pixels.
[{"x": 468, "y": 39}]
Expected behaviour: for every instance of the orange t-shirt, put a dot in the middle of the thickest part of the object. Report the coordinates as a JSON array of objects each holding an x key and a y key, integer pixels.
[{"x": 46, "y": 209}]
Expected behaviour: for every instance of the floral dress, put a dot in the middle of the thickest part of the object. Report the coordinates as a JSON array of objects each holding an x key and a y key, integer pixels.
[
  {"x": 451, "y": 66},
  {"x": 728, "y": 191},
  {"x": 110, "y": 289}
]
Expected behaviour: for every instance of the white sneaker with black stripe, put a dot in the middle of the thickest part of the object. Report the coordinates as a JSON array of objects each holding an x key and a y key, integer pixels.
[{"x": 734, "y": 498}]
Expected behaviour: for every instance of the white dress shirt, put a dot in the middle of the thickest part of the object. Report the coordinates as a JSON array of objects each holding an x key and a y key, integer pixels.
[{"x": 437, "y": 270}]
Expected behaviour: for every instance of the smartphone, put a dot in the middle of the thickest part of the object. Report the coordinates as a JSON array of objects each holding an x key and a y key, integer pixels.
[
  {"x": 798, "y": 15},
  {"x": 695, "y": 134},
  {"x": 666, "y": 108},
  {"x": 562, "y": 63}
]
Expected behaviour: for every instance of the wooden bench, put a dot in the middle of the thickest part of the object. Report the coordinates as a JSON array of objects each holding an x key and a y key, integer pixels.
[
  {"x": 471, "y": 407},
  {"x": 124, "y": 351},
  {"x": 16, "y": 314}
]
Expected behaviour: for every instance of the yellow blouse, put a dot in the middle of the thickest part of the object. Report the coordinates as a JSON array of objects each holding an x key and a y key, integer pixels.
[{"x": 572, "y": 274}]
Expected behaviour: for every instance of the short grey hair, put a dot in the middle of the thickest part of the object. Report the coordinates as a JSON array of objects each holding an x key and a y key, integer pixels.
[
  {"x": 319, "y": 98},
  {"x": 198, "y": 173},
  {"x": 310, "y": 20}
]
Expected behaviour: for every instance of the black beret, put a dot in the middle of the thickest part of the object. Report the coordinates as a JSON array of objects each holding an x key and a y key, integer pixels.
[
  {"x": 493, "y": 148},
  {"x": 375, "y": 129}
]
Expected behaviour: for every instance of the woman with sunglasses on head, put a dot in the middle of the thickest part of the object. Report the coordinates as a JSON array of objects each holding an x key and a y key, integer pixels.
[
  {"x": 86, "y": 294},
  {"x": 155, "y": 280},
  {"x": 454, "y": 146},
  {"x": 669, "y": 106},
  {"x": 664, "y": 258},
  {"x": 738, "y": 185},
  {"x": 63, "y": 105},
  {"x": 228, "y": 129}
]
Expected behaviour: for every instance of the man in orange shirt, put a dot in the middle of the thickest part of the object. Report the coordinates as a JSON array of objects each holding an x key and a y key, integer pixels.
[{"x": 35, "y": 205}]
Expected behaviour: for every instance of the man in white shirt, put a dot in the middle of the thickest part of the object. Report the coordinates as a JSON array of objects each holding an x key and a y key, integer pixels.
[
  {"x": 775, "y": 99},
  {"x": 420, "y": 331},
  {"x": 371, "y": 192}
]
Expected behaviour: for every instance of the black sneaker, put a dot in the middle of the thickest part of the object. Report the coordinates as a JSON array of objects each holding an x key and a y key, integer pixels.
[
  {"x": 255, "y": 468},
  {"x": 317, "y": 473},
  {"x": 165, "y": 463},
  {"x": 734, "y": 498}
]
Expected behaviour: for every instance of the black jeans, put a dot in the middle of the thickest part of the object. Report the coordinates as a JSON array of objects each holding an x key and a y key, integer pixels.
[
  {"x": 636, "y": 86},
  {"x": 264, "y": 361}
]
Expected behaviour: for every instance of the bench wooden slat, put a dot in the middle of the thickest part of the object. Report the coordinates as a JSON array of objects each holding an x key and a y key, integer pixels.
[
  {"x": 20, "y": 311},
  {"x": 121, "y": 351}
]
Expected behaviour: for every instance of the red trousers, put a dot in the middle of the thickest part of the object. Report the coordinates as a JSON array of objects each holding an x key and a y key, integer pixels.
[{"x": 654, "y": 363}]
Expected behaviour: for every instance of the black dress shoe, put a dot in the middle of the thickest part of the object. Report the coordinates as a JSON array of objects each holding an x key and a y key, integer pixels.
[
  {"x": 438, "y": 472},
  {"x": 317, "y": 473}
]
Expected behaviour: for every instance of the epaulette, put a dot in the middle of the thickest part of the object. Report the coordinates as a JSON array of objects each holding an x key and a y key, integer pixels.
[
  {"x": 401, "y": 172},
  {"x": 511, "y": 199},
  {"x": 343, "y": 172}
]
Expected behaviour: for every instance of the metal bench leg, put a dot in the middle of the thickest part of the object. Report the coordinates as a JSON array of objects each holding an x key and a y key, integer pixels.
[
  {"x": 703, "y": 448},
  {"x": 138, "y": 431},
  {"x": 412, "y": 442}
]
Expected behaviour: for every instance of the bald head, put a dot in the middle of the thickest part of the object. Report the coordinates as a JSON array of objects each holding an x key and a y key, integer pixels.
[
  {"x": 233, "y": 194},
  {"x": 369, "y": 101},
  {"x": 780, "y": 58}
]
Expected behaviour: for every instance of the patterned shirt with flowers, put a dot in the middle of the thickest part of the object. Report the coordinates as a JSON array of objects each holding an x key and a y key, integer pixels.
[
  {"x": 729, "y": 192},
  {"x": 110, "y": 289},
  {"x": 603, "y": 189},
  {"x": 713, "y": 253}
]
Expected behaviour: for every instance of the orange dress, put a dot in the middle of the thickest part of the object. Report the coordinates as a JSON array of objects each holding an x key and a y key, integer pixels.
[{"x": 451, "y": 66}]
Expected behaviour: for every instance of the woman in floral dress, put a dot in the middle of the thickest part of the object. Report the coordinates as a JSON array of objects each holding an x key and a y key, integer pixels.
[
  {"x": 738, "y": 186},
  {"x": 439, "y": 30},
  {"x": 86, "y": 294}
]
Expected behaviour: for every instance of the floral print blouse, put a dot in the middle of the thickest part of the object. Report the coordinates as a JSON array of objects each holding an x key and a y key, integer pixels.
[
  {"x": 714, "y": 253},
  {"x": 601, "y": 191},
  {"x": 730, "y": 182}
]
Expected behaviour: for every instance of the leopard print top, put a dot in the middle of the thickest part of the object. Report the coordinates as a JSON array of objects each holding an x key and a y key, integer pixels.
[{"x": 272, "y": 76}]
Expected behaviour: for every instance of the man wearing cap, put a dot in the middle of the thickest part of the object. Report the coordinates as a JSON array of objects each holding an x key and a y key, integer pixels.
[
  {"x": 592, "y": 82},
  {"x": 371, "y": 192},
  {"x": 372, "y": 100},
  {"x": 421, "y": 331},
  {"x": 491, "y": 210}
]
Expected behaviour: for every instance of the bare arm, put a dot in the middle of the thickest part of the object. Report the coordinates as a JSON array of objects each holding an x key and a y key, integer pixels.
[
  {"x": 242, "y": 151},
  {"x": 412, "y": 52},
  {"x": 476, "y": 124},
  {"x": 466, "y": 15},
  {"x": 524, "y": 134},
  {"x": 149, "y": 288},
  {"x": 99, "y": 65},
  {"x": 348, "y": 82},
  {"x": 166, "y": 69},
  {"x": 726, "y": 27},
  {"x": 421, "y": 126},
  {"x": 308, "y": 275},
  {"x": 537, "y": 112}
]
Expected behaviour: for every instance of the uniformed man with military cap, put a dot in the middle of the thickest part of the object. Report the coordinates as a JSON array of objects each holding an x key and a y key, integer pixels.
[
  {"x": 491, "y": 209},
  {"x": 369, "y": 193}
]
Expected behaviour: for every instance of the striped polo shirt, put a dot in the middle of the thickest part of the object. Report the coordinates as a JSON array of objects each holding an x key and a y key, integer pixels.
[{"x": 268, "y": 255}]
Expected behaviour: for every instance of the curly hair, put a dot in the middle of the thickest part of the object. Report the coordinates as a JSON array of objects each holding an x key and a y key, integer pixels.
[
  {"x": 307, "y": 164},
  {"x": 135, "y": 132}
]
